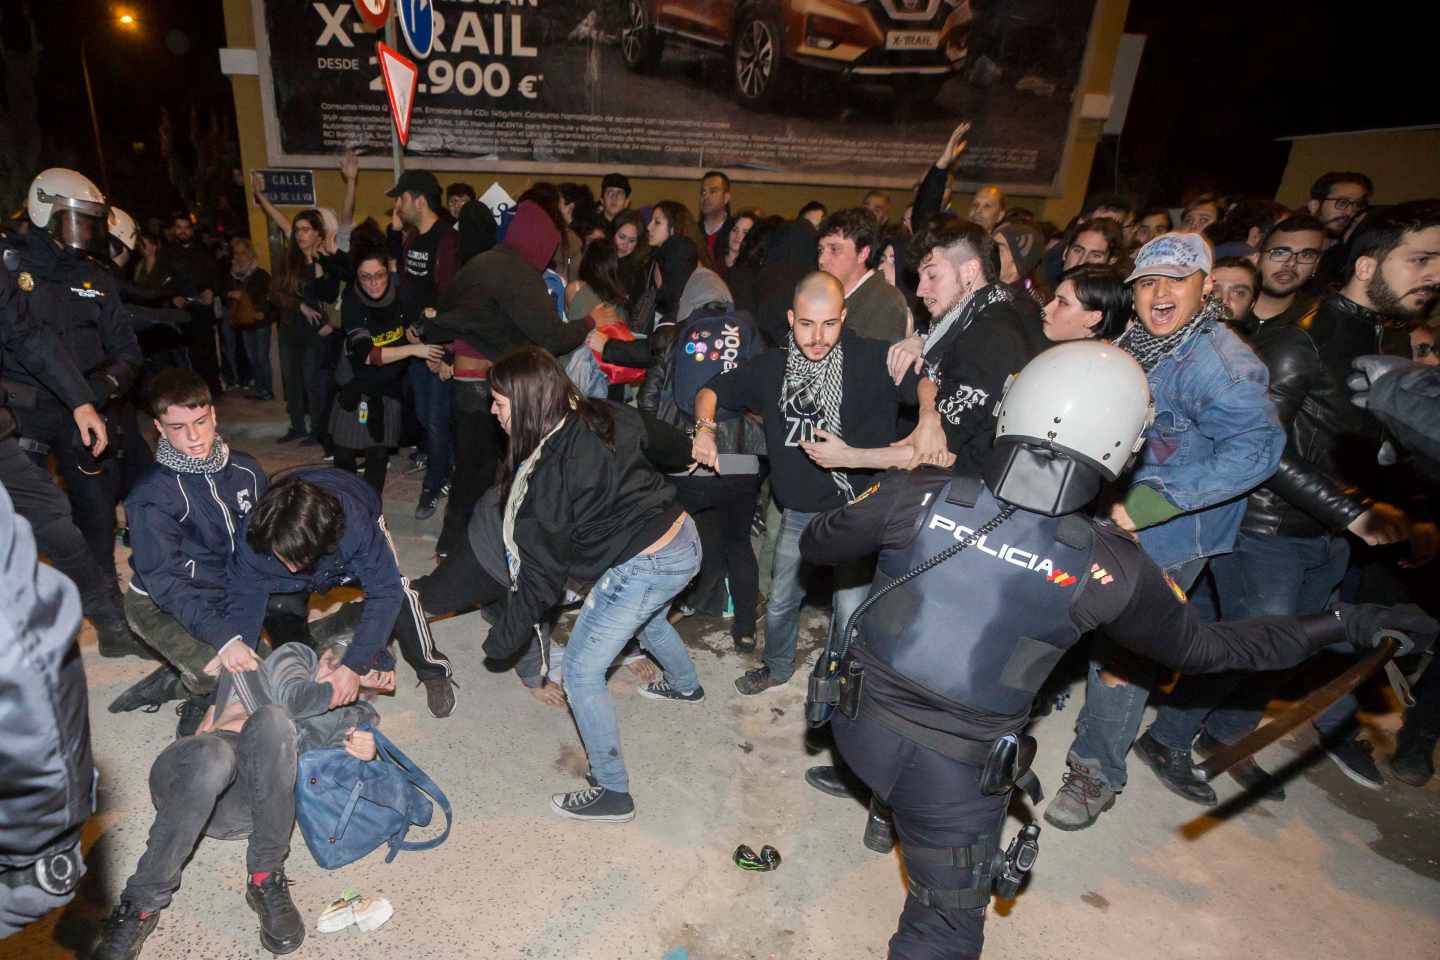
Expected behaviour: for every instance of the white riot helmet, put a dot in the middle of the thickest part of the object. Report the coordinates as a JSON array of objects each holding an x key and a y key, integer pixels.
[
  {"x": 69, "y": 207},
  {"x": 1068, "y": 422},
  {"x": 123, "y": 231}
]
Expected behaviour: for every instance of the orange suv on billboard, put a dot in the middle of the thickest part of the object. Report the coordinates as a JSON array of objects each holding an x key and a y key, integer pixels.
[{"x": 914, "y": 45}]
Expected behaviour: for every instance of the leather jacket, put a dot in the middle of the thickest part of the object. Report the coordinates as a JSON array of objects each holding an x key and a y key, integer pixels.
[{"x": 1330, "y": 443}]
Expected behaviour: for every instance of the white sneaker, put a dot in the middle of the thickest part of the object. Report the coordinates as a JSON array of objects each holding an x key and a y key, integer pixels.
[{"x": 367, "y": 913}]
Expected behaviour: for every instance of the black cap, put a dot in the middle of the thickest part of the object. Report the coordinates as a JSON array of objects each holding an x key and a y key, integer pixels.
[
  {"x": 422, "y": 183},
  {"x": 615, "y": 180}
]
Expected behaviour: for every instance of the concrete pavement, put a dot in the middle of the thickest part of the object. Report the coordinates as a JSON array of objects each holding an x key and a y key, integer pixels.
[{"x": 1335, "y": 872}]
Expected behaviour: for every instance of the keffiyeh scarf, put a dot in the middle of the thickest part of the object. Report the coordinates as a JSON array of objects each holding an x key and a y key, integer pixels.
[
  {"x": 168, "y": 456},
  {"x": 817, "y": 385},
  {"x": 964, "y": 312},
  {"x": 1148, "y": 349}
]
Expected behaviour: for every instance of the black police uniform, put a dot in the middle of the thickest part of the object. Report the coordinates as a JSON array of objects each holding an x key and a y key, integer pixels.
[
  {"x": 28, "y": 344},
  {"x": 76, "y": 299},
  {"x": 949, "y": 662}
]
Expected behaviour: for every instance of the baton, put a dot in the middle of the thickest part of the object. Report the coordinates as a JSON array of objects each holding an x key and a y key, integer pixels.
[{"x": 1226, "y": 757}]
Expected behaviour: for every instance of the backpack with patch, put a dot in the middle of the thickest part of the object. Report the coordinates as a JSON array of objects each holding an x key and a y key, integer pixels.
[{"x": 715, "y": 338}]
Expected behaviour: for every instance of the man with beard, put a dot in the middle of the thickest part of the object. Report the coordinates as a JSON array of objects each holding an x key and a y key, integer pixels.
[
  {"x": 1336, "y": 199},
  {"x": 188, "y": 268},
  {"x": 1214, "y": 437},
  {"x": 1289, "y": 256},
  {"x": 1290, "y": 553},
  {"x": 826, "y": 386}
]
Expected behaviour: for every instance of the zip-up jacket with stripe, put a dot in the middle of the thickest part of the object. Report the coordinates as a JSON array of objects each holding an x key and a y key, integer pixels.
[
  {"x": 365, "y": 558},
  {"x": 183, "y": 529}
]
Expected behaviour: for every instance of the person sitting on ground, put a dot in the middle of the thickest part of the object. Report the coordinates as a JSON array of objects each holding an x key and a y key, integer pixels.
[
  {"x": 183, "y": 514},
  {"x": 581, "y": 500},
  {"x": 318, "y": 528},
  {"x": 236, "y": 779}
]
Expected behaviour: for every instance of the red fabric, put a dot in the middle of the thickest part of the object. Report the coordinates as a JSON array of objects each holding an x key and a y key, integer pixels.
[
  {"x": 261, "y": 877},
  {"x": 533, "y": 235},
  {"x": 614, "y": 372}
]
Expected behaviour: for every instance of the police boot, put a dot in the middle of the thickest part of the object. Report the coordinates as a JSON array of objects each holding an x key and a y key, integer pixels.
[
  {"x": 1176, "y": 770},
  {"x": 879, "y": 828},
  {"x": 157, "y": 689},
  {"x": 1414, "y": 761},
  {"x": 828, "y": 779}
]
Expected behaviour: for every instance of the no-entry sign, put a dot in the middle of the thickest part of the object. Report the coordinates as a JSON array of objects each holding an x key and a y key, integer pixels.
[
  {"x": 400, "y": 75},
  {"x": 373, "y": 13}
]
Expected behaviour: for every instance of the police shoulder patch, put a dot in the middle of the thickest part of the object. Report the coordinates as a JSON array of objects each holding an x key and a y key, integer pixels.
[{"x": 865, "y": 493}]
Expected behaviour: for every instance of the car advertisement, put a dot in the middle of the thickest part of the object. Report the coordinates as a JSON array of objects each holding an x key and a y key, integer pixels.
[{"x": 849, "y": 92}]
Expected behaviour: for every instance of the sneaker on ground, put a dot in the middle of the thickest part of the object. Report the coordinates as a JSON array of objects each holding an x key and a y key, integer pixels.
[
  {"x": 1353, "y": 758},
  {"x": 158, "y": 688},
  {"x": 366, "y": 913},
  {"x": 661, "y": 690},
  {"x": 440, "y": 696},
  {"x": 744, "y": 644},
  {"x": 445, "y": 490},
  {"x": 757, "y": 681},
  {"x": 425, "y": 509},
  {"x": 1081, "y": 799},
  {"x": 1176, "y": 770},
  {"x": 594, "y": 803},
  {"x": 291, "y": 434},
  {"x": 282, "y": 929},
  {"x": 123, "y": 933}
]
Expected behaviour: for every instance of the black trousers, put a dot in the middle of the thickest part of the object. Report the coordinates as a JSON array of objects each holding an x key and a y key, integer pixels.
[
  {"x": 92, "y": 486},
  {"x": 478, "y": 444},
  {"x": 39, "y": 500},
  {"x": 226, "y": 785},
  {"x": 204, "y": 349},
  {"x": 936, "y": 804},
  {"x": 377, "y": 462},
  {"x": 723, "y": 508}
]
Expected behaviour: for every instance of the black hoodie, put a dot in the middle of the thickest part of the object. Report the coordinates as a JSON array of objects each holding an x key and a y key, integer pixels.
[{"x": 791, "y": 253}]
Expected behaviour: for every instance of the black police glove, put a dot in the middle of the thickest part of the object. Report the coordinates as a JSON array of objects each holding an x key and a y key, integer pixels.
[
  {"x": 1364, "y": 623},
  {"x": 102, "y": 387}
]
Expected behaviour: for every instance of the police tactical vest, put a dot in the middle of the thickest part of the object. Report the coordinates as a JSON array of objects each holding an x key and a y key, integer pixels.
[{"x": 985, "y": 628}]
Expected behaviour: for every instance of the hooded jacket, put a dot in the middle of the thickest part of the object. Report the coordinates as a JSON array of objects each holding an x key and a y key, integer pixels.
[
  {"x": 791, "y": 253},
  {"x": 498, "y": 301}
]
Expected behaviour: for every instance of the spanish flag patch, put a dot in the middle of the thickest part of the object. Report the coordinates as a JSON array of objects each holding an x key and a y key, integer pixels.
[{"x": 865, "y": 493}]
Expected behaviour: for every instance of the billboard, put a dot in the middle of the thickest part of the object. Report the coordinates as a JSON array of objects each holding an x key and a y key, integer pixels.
[{"x": 847, "y": 92}]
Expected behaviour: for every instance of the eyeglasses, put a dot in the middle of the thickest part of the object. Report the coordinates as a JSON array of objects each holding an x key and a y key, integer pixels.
[
  {"x": 1283, "y": 254},
  {"x": 1346, "y": 204}
]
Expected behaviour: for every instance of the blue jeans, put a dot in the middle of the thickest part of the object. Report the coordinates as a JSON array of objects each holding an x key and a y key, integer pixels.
[
  {"x": 628, "y": 600},
  {"x": 1109, "y": 721},
  {"x": 1265, "y": 576},
  {"x": 432, "y": 408},
  {"x": 256, "y": 341},
  {"x": 787, "y": 593}
]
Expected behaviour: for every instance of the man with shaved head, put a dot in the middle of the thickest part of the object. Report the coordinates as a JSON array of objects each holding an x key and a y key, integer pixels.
[
  {"x": 824, "y": 385},
  {"x": 988, "y": 206}
]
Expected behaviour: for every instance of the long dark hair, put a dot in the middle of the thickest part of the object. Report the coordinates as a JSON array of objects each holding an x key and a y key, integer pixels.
[
  {"x": 683, "y": 224},
  {"x": 295, "y": 271},
  {"x": 1102, "y": 288},
  {"x": 642, "y": 245},
  {"x": 600, "y": 268},
  {"x": 540, "y": 396}
]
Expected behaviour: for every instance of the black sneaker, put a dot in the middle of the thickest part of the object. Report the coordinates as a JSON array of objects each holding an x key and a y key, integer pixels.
[
  {"x": 191, "y": 711},
  {"x": 661, "y": 690},
  {"x": 439, "y": 696},
  {"x": 744, "y": 644},
  {"x": 282, "y": 929},
  {"x": 123, "y": 933},
  {"x": 1413, "y": 762},
  {"x": 1176, "y": 770},
  {"x": 425, "y": 509},
  {"x": 594, "y": 803},
  {"x": 292, "y": 434},
  {"x": 158, "y": 688},
  {"x": 757, "y": 681},
  {"x": 1353, "y": 758}
]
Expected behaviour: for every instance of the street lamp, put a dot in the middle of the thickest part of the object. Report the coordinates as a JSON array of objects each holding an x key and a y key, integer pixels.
[{"x": 125, "y": 21}]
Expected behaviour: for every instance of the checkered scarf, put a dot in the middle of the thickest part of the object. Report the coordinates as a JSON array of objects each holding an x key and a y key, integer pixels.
[{"x": 818, "y": 385}]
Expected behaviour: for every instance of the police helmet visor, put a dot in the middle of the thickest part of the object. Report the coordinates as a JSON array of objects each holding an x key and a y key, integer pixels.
[{"x": 82, "y": 226}]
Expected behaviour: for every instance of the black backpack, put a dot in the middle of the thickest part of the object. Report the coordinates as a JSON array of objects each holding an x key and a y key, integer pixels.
[{"x": 713, "y": 339}]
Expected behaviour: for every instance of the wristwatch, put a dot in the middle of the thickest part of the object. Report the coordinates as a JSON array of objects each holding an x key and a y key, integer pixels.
[{"x": 58, "y": 874}]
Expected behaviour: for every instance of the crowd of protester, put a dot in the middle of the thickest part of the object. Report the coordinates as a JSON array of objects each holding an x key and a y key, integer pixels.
[{"x": 653, "y": 404}]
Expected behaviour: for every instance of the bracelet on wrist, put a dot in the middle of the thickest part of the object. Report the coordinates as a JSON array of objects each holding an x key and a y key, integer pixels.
[{"x": 705, "y": 422}]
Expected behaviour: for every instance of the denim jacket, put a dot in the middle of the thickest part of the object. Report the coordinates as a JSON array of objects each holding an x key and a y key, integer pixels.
[{"x": 1215, "y": 437}]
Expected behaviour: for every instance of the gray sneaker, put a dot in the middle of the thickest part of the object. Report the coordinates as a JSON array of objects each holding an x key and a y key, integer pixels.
[{"x": 1082, "y": 798}]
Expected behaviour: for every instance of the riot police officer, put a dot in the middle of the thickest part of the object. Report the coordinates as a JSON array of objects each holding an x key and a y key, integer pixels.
[
  {"x": 982, "y": 584},
  {"x": 68, "y": 293}
]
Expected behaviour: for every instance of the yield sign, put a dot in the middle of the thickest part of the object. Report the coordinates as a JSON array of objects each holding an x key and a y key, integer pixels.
[
  {"x": 417, "y": 22},
  {"x": 400, "y": 75},
  {"x": 373, "y": 13}
]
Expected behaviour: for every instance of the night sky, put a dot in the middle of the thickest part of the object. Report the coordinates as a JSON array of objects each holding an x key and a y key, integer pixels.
[{"x": 1218, "y": 83}]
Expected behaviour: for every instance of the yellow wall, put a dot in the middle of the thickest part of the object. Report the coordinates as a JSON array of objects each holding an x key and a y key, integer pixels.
[
  {"x": 781, "y": 198},
  {"x": 1405, "y": 164}
]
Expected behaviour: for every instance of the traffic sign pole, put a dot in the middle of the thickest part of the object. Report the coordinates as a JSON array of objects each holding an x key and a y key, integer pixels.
[{"x": 397, "y": 155}]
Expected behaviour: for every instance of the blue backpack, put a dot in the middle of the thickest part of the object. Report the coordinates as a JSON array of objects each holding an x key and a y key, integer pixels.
[
  {"x": 713, "y": 339},
  {"x": 346, "y": 807}
]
